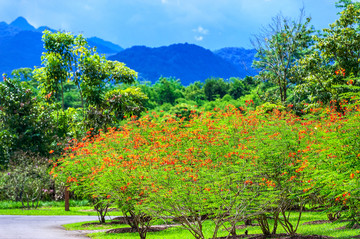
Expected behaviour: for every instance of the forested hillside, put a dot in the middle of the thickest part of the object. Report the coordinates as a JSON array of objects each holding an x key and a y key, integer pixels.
[
  {"x": 186, "y": 62},
  {"x": 241, "y": 58}
]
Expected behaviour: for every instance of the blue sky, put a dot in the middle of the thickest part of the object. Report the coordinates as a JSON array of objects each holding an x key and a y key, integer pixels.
[{"x": 212, "y": 24}]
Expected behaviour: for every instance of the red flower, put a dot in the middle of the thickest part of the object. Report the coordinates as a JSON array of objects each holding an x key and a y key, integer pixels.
[{"x": 48, "y": 95}]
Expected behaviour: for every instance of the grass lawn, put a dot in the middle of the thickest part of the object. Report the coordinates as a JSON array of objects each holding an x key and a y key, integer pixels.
[
  {"x": 51, "y": 208},
  {"x": 326, "y": 229},
  {"x": 50, "y": 211},
  {"x": 83, "y": 209}
]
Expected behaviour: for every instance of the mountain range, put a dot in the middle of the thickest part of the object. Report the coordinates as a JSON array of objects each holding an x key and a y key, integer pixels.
[
  {"x": 21, "y": 46},
  {"x": 187, "y": 62}
]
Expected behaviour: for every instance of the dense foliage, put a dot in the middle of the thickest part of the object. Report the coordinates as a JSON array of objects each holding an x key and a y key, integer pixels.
[{"x": 224, "y": 166}]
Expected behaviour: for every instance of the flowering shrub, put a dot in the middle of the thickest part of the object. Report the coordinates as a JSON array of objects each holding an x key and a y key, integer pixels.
[
  {"x": 223, "y": 166},
  {"x": 26, "y": 180},
  {"x": 23, "y": 122}
]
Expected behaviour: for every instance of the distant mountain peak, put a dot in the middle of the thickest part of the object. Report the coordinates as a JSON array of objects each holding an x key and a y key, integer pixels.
[
  {"x": 21, "y": 45},
  {"x": 104, "y": 46},
  {"x": 43, "y": 28},
  {"x": 22, "y": 24},
  {"x": 187, "y": 62}
]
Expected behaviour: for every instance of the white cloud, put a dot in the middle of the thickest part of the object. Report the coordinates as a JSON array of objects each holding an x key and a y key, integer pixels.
[
  {"x": 199, "y": 38},
  {"x": 201, "y": 30}
]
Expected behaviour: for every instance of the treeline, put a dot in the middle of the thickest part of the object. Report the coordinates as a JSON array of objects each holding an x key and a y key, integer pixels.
[{"x": 164, "y": 93}]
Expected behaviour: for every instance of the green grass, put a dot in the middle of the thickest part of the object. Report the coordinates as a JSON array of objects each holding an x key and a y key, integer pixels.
[
  {"x": 171, "y": 233},
  {"x": 327, "y": 229},
  {"x": 73, "y": 203},
  {"x": 50, "y": 211},
  {"x": 48, "y": 208},
  {"x": 83, "y": 226},
  {"x": 54, "y": 208},
  {"x": 80, "y": 208}
]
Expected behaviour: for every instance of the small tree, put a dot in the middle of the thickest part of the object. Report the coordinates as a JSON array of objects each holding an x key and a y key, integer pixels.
[
  {"x": 168, "y": 90},
  {"x": 214, "y": 88},
  {"x": 238, "y": 87},
  {"x": 26, "y": 179},
  {"x": 195, "y": 92}
]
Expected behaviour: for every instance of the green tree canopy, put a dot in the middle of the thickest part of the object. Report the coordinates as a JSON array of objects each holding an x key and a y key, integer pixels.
[
  {"x": 336, "y": 57},
  {"x": 69, "y": 58},
  {"x": 215, "y": 88},
  {"x": 168, "y": 89}
]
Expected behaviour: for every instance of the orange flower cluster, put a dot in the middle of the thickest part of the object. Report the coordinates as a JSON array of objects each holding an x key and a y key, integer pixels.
[
  {"x": 218, "y": 153},
  {"x": 341, "y": 71}
]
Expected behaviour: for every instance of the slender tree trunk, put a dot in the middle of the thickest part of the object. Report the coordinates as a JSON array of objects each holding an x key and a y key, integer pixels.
[
  {"x": 284, "y": 95},
  {"x": 276, "y": 218},
  {"x": 82, "y": 100},
  {"x": 62, "y": 96},
  {"x": 67, "y": 197}
]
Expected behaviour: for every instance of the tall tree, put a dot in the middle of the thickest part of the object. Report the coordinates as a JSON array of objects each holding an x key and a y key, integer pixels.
[
  {"x": 278, "y": 47},
  {"x": 69, "y": 58},
  {"x": 57, "y": 59}
]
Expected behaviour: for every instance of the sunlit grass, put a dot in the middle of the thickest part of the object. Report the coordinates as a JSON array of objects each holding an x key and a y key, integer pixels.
[
  {"x": 50, "y": 211},
  {"x": 91, "y": 225},
  {"x": 170, "y": 233},
  {"x": 57, "y": 209},
  {"x": 73, "y": 203},
  {"x": 326, "y": 229},
  {"x": 53, "y": 208}
]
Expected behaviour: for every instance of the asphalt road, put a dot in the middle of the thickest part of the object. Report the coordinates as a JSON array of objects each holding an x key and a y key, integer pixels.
[{"x": 40, "y": 227}]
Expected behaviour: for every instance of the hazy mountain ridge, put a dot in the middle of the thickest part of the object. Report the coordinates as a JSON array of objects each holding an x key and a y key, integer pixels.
[
  {"x": 186, "y": 62},
  {"x": 21, "y": 50},
  {"x": 104, "y": 46},
  {"x": 242, "y": 58},
  {"x": 21, "y": 46}
]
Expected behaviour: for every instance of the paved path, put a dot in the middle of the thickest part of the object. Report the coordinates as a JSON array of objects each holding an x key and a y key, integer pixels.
[{"x": 40, "y": 227}]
